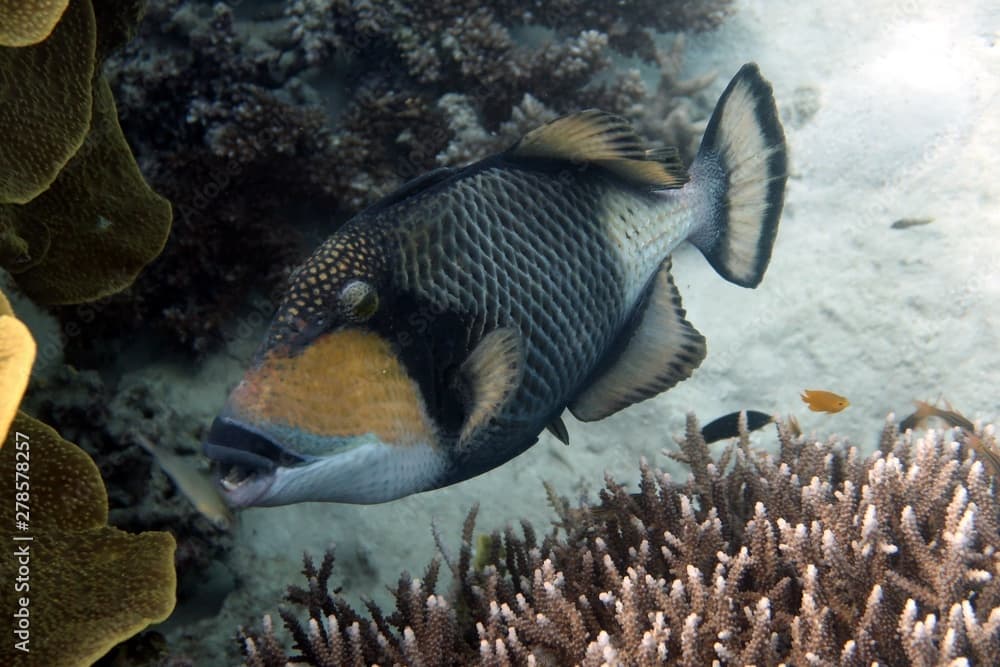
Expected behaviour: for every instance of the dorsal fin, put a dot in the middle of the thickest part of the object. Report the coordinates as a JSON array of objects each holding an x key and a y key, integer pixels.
[
  {"x": 606, "y": 140},
  {"x": 412, "y": 187}
]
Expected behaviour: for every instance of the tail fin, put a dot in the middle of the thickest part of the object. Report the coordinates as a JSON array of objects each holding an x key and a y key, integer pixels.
[{"x": 743, "y": 164}]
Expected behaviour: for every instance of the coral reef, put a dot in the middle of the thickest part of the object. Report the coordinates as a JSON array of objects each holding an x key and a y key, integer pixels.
[
  {"x": 256, "y": 125},
  {"x": 809, "y": 556},
  {"x": 89, "y": 585},
  {"x": 98, "y": 417},
  {"x": 26, "y": 23},
  {"x": 627, "y": 23},
  {"x": 77, "y": 220},
  {"x": 67, "y": 562}
]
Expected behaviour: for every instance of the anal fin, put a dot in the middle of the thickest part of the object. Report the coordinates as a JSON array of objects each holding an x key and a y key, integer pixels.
[{"x": 658, "y": 352}]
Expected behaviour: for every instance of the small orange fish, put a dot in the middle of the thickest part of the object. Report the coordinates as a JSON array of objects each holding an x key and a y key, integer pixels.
[{"x": 824, "y": 401}]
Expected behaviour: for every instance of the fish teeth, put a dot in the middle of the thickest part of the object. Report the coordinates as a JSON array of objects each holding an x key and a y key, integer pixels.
[{"x": 235, "y": 478}]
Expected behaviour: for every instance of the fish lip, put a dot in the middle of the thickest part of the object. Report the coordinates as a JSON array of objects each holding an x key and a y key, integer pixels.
[
  {"x": 233, "y": 456},
  {"x": 233, "y": 445},
  {"x": 248, "y": 492}
]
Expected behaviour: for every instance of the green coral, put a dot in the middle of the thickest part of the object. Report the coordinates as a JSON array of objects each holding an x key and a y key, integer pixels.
[
  {"x": 99, "y": 208},
  {"x": 88, "y": 585},
  {"x": 83, "y": 585},
  {"x": 26, "y": 22},
  {"x": 77, "y": 220},
  {"x": 17, "y": 353},
  {"x": 46, "y": 110}
]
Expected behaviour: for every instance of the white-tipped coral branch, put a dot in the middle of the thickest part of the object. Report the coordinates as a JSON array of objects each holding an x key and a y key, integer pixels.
[{"x": 811, "y": 557}]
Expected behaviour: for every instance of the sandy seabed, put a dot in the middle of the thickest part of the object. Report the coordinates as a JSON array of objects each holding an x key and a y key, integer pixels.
[{"x": 890, "y": 112}]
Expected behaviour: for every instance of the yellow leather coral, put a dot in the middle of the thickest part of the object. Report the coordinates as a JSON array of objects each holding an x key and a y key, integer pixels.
[
  {"x": 72, "y": 585},
  {"x": 17, "y": 353},
  {"x": 77, "y": 220},
  {"x": 78, "y": 586},
  {"x": 46, "y": 93},
  {"x": 24, "y": 22}
]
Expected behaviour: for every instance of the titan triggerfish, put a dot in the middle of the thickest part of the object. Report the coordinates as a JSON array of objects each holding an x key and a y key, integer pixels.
[{"x": 437, "y": 333}]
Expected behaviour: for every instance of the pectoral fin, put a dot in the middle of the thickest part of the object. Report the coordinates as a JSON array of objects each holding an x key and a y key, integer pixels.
[
  {"x": 490, "y": 374},
  {"x": 658, "y": 352}
]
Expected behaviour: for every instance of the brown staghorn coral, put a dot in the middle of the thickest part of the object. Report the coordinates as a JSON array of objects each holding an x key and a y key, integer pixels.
[
  {"x": 257, "y": 123},
  {"x": 810, "y": 556}
]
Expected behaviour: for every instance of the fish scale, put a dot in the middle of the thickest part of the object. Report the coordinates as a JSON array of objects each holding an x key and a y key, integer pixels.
[{"x": 563, "y": 287}]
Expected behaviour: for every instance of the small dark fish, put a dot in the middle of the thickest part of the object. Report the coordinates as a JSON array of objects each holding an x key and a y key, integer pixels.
[
  {"x": 727, "y": 426},
  {"x": 906, "y": 223},
  {"x": 436, "y": 334}
]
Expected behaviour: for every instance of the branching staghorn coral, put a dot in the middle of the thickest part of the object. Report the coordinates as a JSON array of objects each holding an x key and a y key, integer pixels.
[{"x": 810, "y": 556}]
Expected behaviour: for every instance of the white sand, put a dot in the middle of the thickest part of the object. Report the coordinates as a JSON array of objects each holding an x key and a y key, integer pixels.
[{"x": 907, "y": 127}]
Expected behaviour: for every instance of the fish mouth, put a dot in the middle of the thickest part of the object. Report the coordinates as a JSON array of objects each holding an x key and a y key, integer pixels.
[{"x": 246, "y": 460}]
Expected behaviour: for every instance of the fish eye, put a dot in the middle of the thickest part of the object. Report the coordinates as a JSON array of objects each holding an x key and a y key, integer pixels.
[{"x": 359, "y": 300}]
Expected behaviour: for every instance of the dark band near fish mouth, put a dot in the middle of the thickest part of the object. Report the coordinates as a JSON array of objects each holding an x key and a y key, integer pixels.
[
  {"x": 234, "y": 444},
  {"x": 246, "y": 460}
]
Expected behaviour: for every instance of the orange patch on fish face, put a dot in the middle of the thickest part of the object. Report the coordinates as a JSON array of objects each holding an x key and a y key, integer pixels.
[{"x": 346, "y": 383}]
